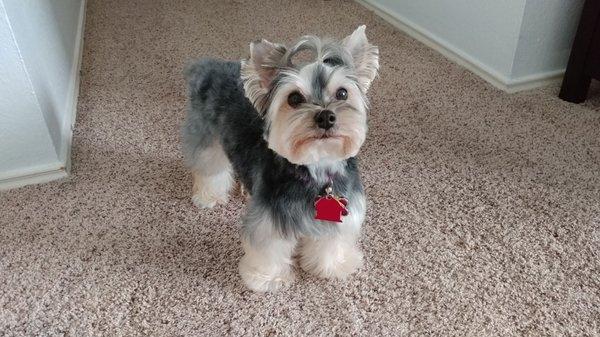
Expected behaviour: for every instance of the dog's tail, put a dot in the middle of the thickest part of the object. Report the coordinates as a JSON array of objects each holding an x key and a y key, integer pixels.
[
  {"x": 195, "y": 132},
  {"x": 199, "y": 76}
]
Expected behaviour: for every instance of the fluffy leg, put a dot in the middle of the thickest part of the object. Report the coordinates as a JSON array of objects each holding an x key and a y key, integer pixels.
[
  {"x": 330, "y": 257},
  {"x": 212, "y": 177},
  {"x": 208, "y": 191},
  {"x": 267, "y": 261}
]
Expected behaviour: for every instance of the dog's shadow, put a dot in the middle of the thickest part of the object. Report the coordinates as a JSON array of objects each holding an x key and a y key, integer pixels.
[
  {"x": 211, "y": 256},
  {"x": 166, "y": 231}
]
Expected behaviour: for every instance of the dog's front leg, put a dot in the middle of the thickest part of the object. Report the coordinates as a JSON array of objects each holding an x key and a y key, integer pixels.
[
  {"x": 332, "y": 256},
  {"x": 267, "y": 261}
]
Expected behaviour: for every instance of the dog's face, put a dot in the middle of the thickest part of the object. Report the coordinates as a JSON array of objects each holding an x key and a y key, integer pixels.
[{"x": 313, "y": 95}]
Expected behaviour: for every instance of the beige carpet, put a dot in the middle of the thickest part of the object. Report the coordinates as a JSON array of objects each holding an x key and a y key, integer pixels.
[{"x": 483, "y": 217}]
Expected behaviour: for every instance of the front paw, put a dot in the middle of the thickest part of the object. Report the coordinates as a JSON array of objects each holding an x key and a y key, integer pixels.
[
  {"x": 208, "y": 201},
  {"x": 265, "y": 278},
  {"x": 332, "y": 262}
]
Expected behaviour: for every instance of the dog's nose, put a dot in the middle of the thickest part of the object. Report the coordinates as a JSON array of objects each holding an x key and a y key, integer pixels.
[{"x": 325, "y": 119}]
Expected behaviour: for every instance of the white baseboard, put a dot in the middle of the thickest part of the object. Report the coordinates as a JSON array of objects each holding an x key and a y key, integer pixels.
[
  {"x": 535, "y": 81},
  {"x": 62, "y": 168},
  {"x": 459, "y": 57},
  {"x": 33, "y": 175}
]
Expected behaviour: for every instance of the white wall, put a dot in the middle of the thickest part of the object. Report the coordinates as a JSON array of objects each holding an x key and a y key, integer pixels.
[
  {"x": 25, "y": 142},
  {"x": 484, "y": 30},
  {"x": 546, "y": 36},
  {"x": 46, "y": 32},
  {"x": 513, "y": 44},
  {"x": 38, "y": 100}
]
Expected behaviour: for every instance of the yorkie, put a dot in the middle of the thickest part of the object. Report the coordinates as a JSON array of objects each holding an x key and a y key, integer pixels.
[{"x": 288, "y": 123}]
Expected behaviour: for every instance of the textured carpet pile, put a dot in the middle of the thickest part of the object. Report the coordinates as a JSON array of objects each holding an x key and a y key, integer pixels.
[{"x": 483, "y": 215}]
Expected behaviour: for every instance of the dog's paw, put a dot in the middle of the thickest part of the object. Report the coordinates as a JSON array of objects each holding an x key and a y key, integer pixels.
[
  {"x": 337, "y": 263},
  {"x": 201, "y": 202},
  {"x": 267, "y": 279},
  {"x": 208, "y": 201}
]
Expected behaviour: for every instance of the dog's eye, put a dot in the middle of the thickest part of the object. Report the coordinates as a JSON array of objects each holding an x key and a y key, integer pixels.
[
  {"x": 333, "y": 61},
  {"x": 341, "y": 94},
  {"x": 295, "y": 99}
]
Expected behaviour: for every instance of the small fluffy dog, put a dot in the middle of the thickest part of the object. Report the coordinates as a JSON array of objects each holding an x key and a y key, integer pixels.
[{"x": 288, "y": 123}]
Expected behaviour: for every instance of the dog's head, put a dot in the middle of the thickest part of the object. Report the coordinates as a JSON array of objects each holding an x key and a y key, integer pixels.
[{"x": 312, "y": 95}]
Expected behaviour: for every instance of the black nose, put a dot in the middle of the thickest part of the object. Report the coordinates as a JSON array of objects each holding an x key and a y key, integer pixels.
[{"x": 325, "y": 119}]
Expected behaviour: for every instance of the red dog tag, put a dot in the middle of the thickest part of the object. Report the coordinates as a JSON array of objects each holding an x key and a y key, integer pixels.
[{"x": 329, "y": 207}]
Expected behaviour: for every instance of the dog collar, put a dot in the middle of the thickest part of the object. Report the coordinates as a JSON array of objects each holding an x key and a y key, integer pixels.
[{"x": 328, "y": 206}]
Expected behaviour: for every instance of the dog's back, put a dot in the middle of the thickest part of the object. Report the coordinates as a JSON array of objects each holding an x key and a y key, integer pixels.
[
  {"x": 213, "y": 85},
  {"x": 220, "y": 120}
]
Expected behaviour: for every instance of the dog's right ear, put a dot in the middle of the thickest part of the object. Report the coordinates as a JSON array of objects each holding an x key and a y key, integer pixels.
[{"x": 259, "y": 71}]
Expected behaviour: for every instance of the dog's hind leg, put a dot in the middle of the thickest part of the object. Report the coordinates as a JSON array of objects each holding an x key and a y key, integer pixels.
[
  {"x": 203, "y": 151},
  {"x": 212, "y": 175}
]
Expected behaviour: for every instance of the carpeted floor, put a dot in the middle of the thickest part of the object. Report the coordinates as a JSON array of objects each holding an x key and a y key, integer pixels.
[{"x": 483, "y": 216}]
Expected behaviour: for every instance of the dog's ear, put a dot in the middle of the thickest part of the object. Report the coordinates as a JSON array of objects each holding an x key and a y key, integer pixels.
[
  {"x": 364, "y": 55},
  {"x": 260, "y": 69}
]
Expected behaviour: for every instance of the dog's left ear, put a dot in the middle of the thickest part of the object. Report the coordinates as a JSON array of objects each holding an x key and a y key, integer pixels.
[
  {"x": 364, "y": 55},
  {"x": 259, "y": 71}
]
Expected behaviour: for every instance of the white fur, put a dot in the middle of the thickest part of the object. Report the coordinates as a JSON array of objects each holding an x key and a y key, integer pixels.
[
  {"x": 321, "y": 171},
  {"x": 288, "y": 128},
  {"x": 267, "y": 261},
  {"x": 211, "y": 190},
  {"x": 330, "y": 257},
  {"x": 212, "y": 175}
]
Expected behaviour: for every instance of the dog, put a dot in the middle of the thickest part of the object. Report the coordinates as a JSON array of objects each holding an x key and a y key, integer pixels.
[{"x": 288, "y": 123}]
